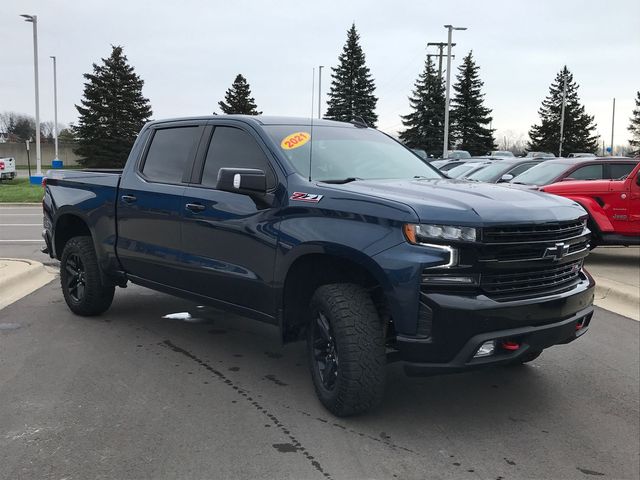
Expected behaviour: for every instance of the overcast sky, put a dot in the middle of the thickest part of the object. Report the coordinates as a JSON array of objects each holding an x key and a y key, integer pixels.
[{"x": 189, "y": 51}]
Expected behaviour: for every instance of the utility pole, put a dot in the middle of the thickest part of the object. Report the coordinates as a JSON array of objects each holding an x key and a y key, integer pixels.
[
  {"x": 320, "y": 91},
  {"x": 613, "y": 123},
  {"x": 34, "y": 20},
  {"x": 55, "y": 108},
  {"x": 564, "y": 96},
  {"x": 440, "y": 55},
  {"x": 445, "y": 147}
]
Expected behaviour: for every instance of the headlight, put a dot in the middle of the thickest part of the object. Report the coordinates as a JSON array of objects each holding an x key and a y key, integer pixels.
[{"x": 423, "y": 233}]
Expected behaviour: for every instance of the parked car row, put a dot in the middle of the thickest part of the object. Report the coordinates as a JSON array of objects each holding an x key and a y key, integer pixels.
[{"x": 608, "y": 188}]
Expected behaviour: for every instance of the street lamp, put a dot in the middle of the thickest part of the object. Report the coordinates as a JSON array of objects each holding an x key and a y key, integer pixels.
[
  {"x": 445, "y": 148},
  {"x": 34, "y": 20},
  {"x": 320, "y": 91},
  {"x": 56, "y": 160}
]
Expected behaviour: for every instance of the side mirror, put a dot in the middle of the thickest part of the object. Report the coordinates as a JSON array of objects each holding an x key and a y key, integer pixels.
[
  {"x": 507, "y": 177},
  {"x": 246, "y": 181}
]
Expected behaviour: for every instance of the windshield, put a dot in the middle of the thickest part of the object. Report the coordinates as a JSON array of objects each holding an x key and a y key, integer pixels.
[
  {"x": 341, "y": 153},
  {"x": 461, "y": 170},
  {"x": 542, "y": 174},
  {"x": 489, "y": 173}
]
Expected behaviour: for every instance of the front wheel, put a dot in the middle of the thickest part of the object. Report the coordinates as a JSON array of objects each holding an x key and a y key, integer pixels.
[
  {"x": 346, "y": 349},
  {"x": 81, "y": 281}
]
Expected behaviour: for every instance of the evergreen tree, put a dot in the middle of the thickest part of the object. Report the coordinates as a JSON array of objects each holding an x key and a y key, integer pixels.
[
  {"x": 238, "y": 99},
  {"x": 578, "y": 126},
  {"x": 425, "y": 124},
  {"x": 352, "y": 87},
  {"x": 24, "y": 128},
  {"x": 634, "y": 128},
  {"x": 470, "y": 119},
  {"x": 112, "y": 112}
]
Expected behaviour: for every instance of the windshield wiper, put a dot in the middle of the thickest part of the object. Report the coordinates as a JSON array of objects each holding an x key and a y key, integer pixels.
[{"x": 341, "y": 180}]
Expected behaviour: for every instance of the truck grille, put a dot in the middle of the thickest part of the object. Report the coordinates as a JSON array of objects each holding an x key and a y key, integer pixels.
[
  {"x": 533, "y": 233},
  {"x": 519, "y": 283}
]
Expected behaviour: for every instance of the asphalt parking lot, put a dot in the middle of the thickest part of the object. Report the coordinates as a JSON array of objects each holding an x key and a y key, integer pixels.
[{"x": 141, "y": 392}]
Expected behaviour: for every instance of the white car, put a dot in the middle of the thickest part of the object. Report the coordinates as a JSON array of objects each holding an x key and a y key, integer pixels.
[{"x": 7, "y": 168}]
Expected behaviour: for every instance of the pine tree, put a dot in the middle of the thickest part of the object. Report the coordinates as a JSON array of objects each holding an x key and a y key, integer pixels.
[
  {"x": 238, "y": 99},
  {"x": 425, "y": 124},
  {"x": 112, "y": 112},
  {"x": 578, "y": 126},
  {"x": 470, "y": 119},
  {"x": 352, "y": 87},
  {"x": 634, "y": 128}
]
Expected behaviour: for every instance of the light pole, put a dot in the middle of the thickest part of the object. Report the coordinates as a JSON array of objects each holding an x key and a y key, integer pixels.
[
  {"x": 34, "y": 20},
  {"x": 445, "y": 147},
  {"x": 320, "y": 90},
  {"x": 564, "y": 101},
  {"x": 613, "y": 123},
  {"x": 55, "y": 109}
]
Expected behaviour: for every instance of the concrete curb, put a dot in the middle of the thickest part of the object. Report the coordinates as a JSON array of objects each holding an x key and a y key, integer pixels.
[
  {"x": 20, "y": 204},
  {"x": 618, "y": 297},
  {"x": 19, "y": 278}
]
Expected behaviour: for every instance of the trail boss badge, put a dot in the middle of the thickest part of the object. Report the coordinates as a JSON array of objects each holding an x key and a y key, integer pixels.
[{"x": 305, "y": 197}]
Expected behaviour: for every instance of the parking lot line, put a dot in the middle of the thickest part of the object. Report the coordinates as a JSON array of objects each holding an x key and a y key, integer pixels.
[{"x": 20, "y": 224}]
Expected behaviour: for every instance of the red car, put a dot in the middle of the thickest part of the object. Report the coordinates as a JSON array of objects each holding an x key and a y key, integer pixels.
[{"x": 613, "y": 206}]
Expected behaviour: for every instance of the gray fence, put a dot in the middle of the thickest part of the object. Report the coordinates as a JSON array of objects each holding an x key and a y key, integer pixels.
[{"x": 19, "y": 152}]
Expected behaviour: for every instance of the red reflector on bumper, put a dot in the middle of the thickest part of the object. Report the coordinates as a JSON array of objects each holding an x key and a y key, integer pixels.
[{"x": 509, "y": 345}]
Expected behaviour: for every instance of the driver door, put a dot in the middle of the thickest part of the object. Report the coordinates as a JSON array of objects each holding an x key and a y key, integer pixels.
[{"x": 228, "y": 240}]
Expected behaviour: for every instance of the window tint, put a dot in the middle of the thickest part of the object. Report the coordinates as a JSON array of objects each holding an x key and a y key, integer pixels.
[
  {"x": 619, "y": 171},
  {"x": 234, "y": 148},
  {"x": 521, "y": 168},
  {"x": 168, "y": 154},
  {"x": 588, "y": 172}
]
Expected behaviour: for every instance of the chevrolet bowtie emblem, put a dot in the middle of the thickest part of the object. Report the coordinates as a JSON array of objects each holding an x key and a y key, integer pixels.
[{"x": 558, "y": 252}]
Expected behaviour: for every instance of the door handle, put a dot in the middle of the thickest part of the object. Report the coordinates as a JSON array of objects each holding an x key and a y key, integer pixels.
[
  {"x": 128, "y": 198},
  {"x": 195, "y": 207}
]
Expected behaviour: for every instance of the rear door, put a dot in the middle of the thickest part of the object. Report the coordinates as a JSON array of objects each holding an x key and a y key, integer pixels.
[
  {"x": 150, "y": 203},
  {"x": 228, "y": 240}
]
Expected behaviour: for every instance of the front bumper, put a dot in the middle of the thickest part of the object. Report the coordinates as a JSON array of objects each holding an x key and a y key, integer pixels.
[{"x": 460, "y": 324}]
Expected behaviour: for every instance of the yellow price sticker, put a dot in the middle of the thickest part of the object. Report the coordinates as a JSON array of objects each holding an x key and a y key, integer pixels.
[{"x": 295, "y": 140}]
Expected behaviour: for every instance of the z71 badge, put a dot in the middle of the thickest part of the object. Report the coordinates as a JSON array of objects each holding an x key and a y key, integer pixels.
[{"x": 305, "y": 197}]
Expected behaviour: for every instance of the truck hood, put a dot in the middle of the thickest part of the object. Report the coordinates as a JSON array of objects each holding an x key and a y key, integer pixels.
[{"x": 469, "y": 203}]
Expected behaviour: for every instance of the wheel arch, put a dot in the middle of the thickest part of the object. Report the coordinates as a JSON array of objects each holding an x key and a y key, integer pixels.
[
  {"x": 67, "y": 226},
  {"x": 319, "y": 265}
]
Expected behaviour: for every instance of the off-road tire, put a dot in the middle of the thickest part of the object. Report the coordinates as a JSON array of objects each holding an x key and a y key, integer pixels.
[
  {"x": 97, "y": 296},
  {"x": 359, "y": 342}
]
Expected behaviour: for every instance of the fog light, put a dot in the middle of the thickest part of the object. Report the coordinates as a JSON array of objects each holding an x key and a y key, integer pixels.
[{"x": 486, "y": 349}]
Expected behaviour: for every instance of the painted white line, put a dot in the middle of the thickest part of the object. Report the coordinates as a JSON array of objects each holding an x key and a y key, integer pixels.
[
  {"x": 20, "y": 214},
  {"x": 20, "y": 224},
  {"x": 21, "y": 241}
]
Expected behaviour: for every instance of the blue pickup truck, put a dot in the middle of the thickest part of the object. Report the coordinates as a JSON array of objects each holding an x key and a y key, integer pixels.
[{"x": 333, "y": 232}]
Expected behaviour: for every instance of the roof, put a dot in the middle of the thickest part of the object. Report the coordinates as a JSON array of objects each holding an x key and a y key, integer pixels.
[
  {"x": 581, "y": 160},
  {"x": 263, "y": 120}
]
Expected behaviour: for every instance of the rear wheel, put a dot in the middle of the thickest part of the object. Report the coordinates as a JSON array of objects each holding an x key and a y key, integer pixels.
[
  {"x": 81, "y": 281},
  {"x": 346, "y": 349}
]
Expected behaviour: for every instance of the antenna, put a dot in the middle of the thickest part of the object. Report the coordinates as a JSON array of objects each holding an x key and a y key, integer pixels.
[{"x": 313, "y": 86}]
